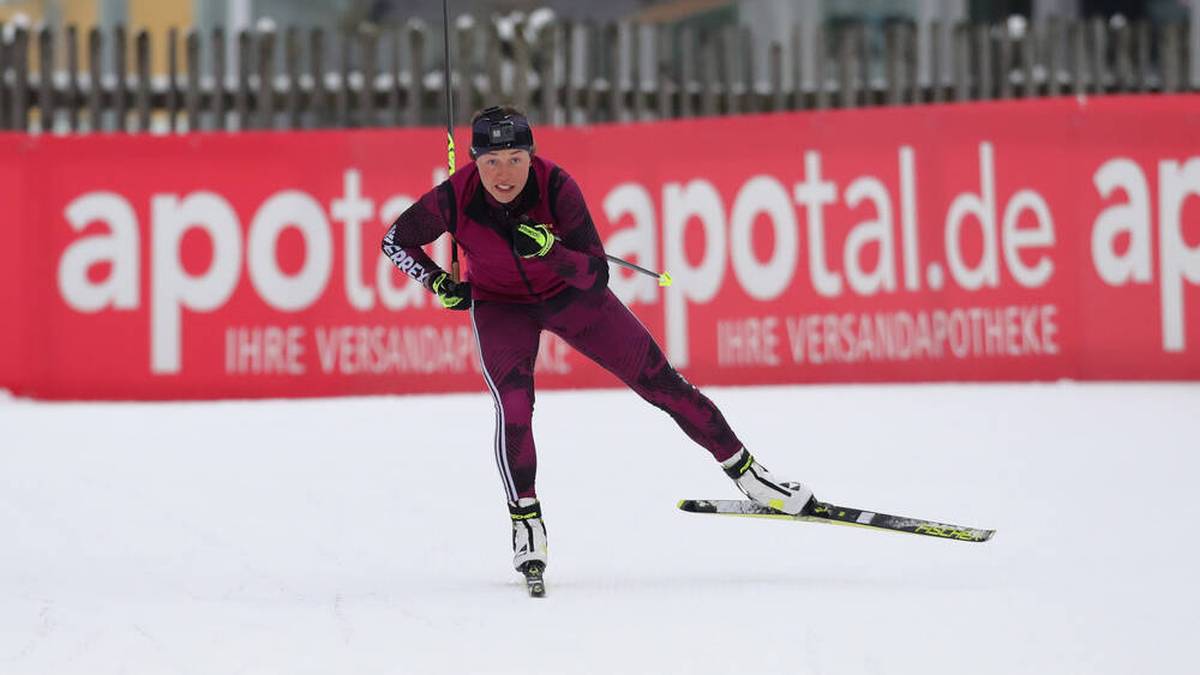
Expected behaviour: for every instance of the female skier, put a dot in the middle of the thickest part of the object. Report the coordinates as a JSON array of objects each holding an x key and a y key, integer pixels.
[{"x": 535, "y": 262}]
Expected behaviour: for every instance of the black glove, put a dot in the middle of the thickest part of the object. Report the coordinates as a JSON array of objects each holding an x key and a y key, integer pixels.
[
  {"x": 532, "y": 240},
  {"x": 452, "y": 294}
]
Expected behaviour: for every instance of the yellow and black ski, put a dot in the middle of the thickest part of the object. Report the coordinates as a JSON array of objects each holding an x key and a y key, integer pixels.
[{"x": 820, "y": 512}]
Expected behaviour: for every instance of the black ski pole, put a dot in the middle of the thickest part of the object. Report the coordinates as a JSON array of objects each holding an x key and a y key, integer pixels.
[
  {"x": 449, "y": 126},
  {"x": 664, "y": 278}
]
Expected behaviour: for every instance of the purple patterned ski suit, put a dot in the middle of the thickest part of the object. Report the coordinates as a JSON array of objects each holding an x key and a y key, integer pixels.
[{"x": 565, "y": 292}]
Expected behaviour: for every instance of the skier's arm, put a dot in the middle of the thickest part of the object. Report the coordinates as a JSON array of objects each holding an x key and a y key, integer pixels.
[
  {"x": 577, "y": 256},
  {"x": 420, "y": 224}
]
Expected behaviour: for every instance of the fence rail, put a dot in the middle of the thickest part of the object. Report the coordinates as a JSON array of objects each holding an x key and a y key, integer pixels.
[{"x": 565, "y": 73}]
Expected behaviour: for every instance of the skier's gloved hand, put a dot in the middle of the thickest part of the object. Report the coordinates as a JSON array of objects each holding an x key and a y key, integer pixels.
[
  {"x": 452, "y": 294},
  {"x": 532, "y": 240}
]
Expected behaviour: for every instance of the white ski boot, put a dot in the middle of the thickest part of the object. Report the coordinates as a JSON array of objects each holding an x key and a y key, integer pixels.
[
  {"x": 529, "y": 533},
  {"x": 760, "y": 486}
]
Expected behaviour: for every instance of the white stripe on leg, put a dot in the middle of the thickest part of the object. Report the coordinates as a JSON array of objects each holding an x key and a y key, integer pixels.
[{"x": 501, "y": 444}]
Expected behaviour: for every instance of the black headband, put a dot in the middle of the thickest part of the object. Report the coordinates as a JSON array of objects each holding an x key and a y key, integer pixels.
[{"x": 494, "y": 129}]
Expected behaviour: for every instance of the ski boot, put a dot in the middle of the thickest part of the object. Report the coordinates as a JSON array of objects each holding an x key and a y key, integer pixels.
[
  {"x": 529, "y": 543},
  {"x": 760, "y": 486}
]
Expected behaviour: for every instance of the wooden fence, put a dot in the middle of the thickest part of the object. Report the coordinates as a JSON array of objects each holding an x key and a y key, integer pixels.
[{"x": 566, "y": 74}]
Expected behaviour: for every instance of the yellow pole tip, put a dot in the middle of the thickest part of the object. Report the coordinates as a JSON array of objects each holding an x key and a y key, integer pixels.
[{"x": 664, "y": 279}]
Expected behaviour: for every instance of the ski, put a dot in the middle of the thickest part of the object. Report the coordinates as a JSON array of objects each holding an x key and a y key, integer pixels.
[
  {"x": 821, "y": 512},
  {"x": 534, "y": 583}
]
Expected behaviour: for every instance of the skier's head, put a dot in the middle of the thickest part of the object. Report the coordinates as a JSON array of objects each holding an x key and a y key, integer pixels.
[
  {"x": 502, "y": 147},
  {"x": 500, "y": 128}
]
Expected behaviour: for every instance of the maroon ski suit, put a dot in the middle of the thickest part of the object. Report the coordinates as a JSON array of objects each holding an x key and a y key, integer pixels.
[{"x": 565, "y": 292}]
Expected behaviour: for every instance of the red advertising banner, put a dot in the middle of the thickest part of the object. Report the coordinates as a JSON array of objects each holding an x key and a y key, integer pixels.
[{"x": 995, "y": 241}]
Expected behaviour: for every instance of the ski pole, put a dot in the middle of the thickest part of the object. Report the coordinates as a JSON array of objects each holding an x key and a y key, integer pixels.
[
  {"x": 449, "y": 128},
  {"x": 664, "y": 278}
]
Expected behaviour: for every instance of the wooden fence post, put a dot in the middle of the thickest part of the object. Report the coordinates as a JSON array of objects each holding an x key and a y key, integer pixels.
[
  {"x": 466, "y": 104},
  {"x": 731, "y": 74},
  {"x": 592, "y": 54},
  {"x": 74, "y": 96},
  {"x": 747, "y": 82},
  {"x": 20, "y": 65},
  {"x": 612, "y": 73},
  {"x": 820, "y": 79},
  {"x": 1004, "y": 71},
  {"x": 892, "y": 64},
  {"x": 687, "y": 71},
  {"x": 571, "y": 43},
  {"x": 172, "y": 100},
  {"x": 492, "y": 60},
  {"x": 1029, "y": 61},
  {"x": 142, "y": 97},
  {"x": 291, "y": 64},
  {"x": 1053, "y": 43},
  {"x": 937, "y": 61},
  {"x": 1124, "y": 58},
  {"x": 318, "y": 102},
  {"x": 395, "y": 111},
  {"x": 265, "y": 97},
  {"x": 637, "y": 106},
  {"x": 708, "y": 74},
  {"x": 217, "y": 100},
  {"x": 121, "y": 70},
  {"x": 984, "y": 91},
  {"x": 95, "y": 80},
  {"x": 341, "y": 95},
  {"x": 241, "y": 99},
  {"x": 416, "y": 72},
  {"x": 548, "y": 46},
  {"x": 46, "y": 103},
  {"x": 1078, "y": 58},
  {"x": 962, "y": 62},
  {"x": 368, "y": 44},
  {"x": 775, "y": 70},
  {"x": 797, "y": 90},
  {"x": 666, "y": 78},
  {"x": 612, "y": 59},
  {"x": 192, "y": 96},
  {"x": 866, "y": 88},
  {"x": 911, "y": 58},
  {"x": 1099, "y": 45},
  {"x": 521, "y": 69},
  {"x": 1172, "y": 70},
  {"x": 1143, "y": 36},
  {"x": 5, "y": 104},
  {"x": 846, "y": 63}
]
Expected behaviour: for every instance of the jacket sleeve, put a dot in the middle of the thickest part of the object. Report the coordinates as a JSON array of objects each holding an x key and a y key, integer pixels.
[
  {"x": 420, "y": 224},
  {"x": 578, "y": 257}
]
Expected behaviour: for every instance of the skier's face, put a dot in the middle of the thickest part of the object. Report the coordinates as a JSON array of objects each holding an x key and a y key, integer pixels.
[{"x": 504, "y": 173}]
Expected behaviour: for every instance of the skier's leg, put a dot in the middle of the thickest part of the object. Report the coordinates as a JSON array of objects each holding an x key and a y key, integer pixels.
[
  {"x": 507, "y": 339},
  {"x": 602, "y": 328}
]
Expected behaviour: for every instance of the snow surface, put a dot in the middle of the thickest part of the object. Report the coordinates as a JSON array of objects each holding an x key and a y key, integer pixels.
[{"x": 370, "y": 536}]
